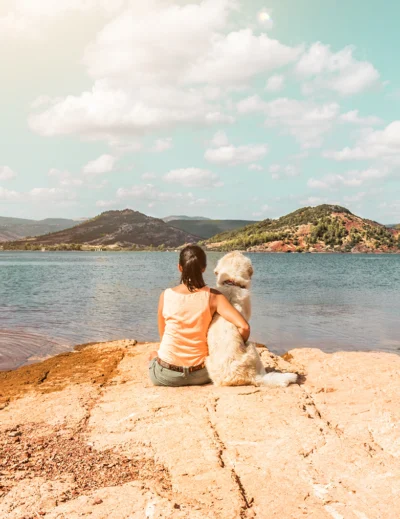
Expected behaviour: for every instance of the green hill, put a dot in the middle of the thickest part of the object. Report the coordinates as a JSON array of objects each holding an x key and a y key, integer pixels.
[
  {"x": 208, "y": 228},
  {"x": 17, "y": 228},
  {"x": 324, "y": 228},
  {"x": 111, "y": 229}
]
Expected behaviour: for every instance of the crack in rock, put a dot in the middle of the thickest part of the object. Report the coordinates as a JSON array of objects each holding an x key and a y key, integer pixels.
[
  {"x": 312, "y": 411},
  {"x": 372, "y": 448},
  {"x": 247, "y": 502},
  {"x": 250, "y": 392},
  {"x": 43, "y": 378}
]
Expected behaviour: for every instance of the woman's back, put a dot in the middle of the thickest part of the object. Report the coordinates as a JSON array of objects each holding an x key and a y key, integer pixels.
[{"x": 187, "y": 319}]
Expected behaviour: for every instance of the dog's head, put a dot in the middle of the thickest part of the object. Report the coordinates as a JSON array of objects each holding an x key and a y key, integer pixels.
[{"x": 234, "y": 267}]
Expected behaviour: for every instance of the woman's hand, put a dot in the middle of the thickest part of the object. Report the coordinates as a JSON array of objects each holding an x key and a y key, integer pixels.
[{"x": 223, "y": 307}]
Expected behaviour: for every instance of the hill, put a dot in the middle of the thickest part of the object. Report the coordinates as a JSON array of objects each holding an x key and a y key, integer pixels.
[
  {"x": 17, "y": 228},
  {"x": 208, "y": 228},
  {"x": 168, "y": 219},
  {"x": 325, "y": 228},
  {"x": 112, "y": 229}
]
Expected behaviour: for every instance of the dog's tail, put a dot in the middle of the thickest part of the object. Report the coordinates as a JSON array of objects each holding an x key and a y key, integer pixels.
[{"x": 275, "y": 379}]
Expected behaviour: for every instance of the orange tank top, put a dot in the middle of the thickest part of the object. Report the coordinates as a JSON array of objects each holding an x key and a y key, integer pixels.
[{"x": 187, "y": 319}]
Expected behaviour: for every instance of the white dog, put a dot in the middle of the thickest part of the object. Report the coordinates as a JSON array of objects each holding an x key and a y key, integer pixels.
[{"x": 230, "y": 361}]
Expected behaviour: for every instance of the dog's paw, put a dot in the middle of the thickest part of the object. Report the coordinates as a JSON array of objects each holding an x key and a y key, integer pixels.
[
  {"x": 275, "y": 379},
  {"x": 288, "y": 378}
]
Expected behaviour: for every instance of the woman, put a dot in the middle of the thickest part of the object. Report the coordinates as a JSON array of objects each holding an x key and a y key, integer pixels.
[{"x": 185, "y": 313}]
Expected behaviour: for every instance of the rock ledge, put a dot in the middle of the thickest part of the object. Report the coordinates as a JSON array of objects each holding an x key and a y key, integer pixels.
[{"x": 85, "y": 434}]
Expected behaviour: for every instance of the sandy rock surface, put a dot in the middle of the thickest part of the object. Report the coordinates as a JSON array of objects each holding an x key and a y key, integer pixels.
[{"x": 85, "y": 434}]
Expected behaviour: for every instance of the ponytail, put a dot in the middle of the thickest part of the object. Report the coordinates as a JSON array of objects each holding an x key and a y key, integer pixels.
[{"x": 193, "y": 261}]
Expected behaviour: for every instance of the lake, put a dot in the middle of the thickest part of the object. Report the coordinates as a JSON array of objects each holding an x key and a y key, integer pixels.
[{"x": 50, "y": 301}]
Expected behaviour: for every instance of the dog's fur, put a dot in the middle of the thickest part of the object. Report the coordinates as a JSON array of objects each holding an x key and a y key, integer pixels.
[{"x": 230, "y": 361}]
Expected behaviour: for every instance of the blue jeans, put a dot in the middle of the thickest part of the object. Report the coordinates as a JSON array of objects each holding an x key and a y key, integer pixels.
[{"x": 161, "y": 376}]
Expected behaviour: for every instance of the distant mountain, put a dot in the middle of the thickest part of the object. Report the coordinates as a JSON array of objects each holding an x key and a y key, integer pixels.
[
  {"x": 207, "y": 228},
  {"x": 112, "y": 229},
  {"x": 168, "y": 219},
  {"x": 394, "y": 226},
  {"x": 17, "y": 228},
  {"x": 326, "y": 228}
]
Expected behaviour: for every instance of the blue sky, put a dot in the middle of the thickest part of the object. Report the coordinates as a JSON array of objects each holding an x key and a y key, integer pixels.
[{"x": 218, "y": 108}]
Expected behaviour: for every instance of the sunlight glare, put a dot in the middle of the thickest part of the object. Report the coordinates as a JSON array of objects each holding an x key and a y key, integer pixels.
[{"x": 265, "y": 18}]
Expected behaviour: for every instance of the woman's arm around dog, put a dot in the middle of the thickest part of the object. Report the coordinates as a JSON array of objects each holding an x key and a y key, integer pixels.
[{"x": 222, "y": 306}]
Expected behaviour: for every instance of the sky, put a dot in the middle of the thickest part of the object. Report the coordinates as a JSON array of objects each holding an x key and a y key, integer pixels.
[{"x": 217, "y": 108}]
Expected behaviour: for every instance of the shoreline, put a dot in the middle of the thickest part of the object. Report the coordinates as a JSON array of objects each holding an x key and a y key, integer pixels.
[
  {"x": 356, "y": 253},
  {"x": 282, "y": 353},
  {"x": 86, "y": 433}
]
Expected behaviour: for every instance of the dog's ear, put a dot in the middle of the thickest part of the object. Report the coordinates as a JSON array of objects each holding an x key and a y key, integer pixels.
[
  {"x": 250, "y": 270},
  {"x": 216, "y": 272}
]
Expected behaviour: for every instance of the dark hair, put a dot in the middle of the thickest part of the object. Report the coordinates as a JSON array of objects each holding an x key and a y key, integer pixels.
[{"x": 193, "y": 261}]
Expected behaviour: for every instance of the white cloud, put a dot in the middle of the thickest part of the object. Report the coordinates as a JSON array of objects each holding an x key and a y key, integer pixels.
[
  {"x": 119, "y": 143},
  {"x": 49, "y": 194},
  {"x": 30, "y": 19},
  {"x": 51, "y": 10},
  {"x": 161, "y": 65},
  {"x": 65, "y": 178},
  {"x": 383, "y": 145},
  {"x": 38, "y": 194},
  {"x": 105, "y": 203},
  {"x": 353, "y": 117},
  {"x": 148, "y": 176},
  {"x": 232, "y": 156},
  {"x": 275, "y": 83},
  {"x": 339, "y": 72},
  {"x": 6, "y": 173},
  {"x": 156, "y": 41},
  {"x": 193, "y": 177},
  {"x": 239, "y": 56},
  {"x": 8, "y": 195},
  {"x": 289, "y": 170},
  {"x": 162, "y": 145},
  {"x": 255, "y": 167},
  {"x": 225, "y": 153},
  {"x": 104, "y": 164},
  {"x": 218, "y": 117},
  {"x": 306, "y": 121},
  {"x": 104, "y": 113},
  {"x": 359, "y": 177},
  {"x": 100, "y": 185},
  {"x": 149, "y": 193},
  {"x": 220, "y": 139},
  {"x": 353, "y": 178},
  {"x": 314, "y": 200},
  {"x": 355, "y": 198},
  {"x": 139, "y": 61},
  {"x": 275, "y": 168},
  {"x": 325, "y": 183},
  {"x": 41, "y": 101},
  {"x": 198, "y": 201},
  {"x": 251, "y": 104},
  {"x": 392, "y": 209}
]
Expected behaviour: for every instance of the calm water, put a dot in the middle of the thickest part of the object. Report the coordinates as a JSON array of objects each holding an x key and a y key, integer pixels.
[{"x": 51, "y": 301}]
